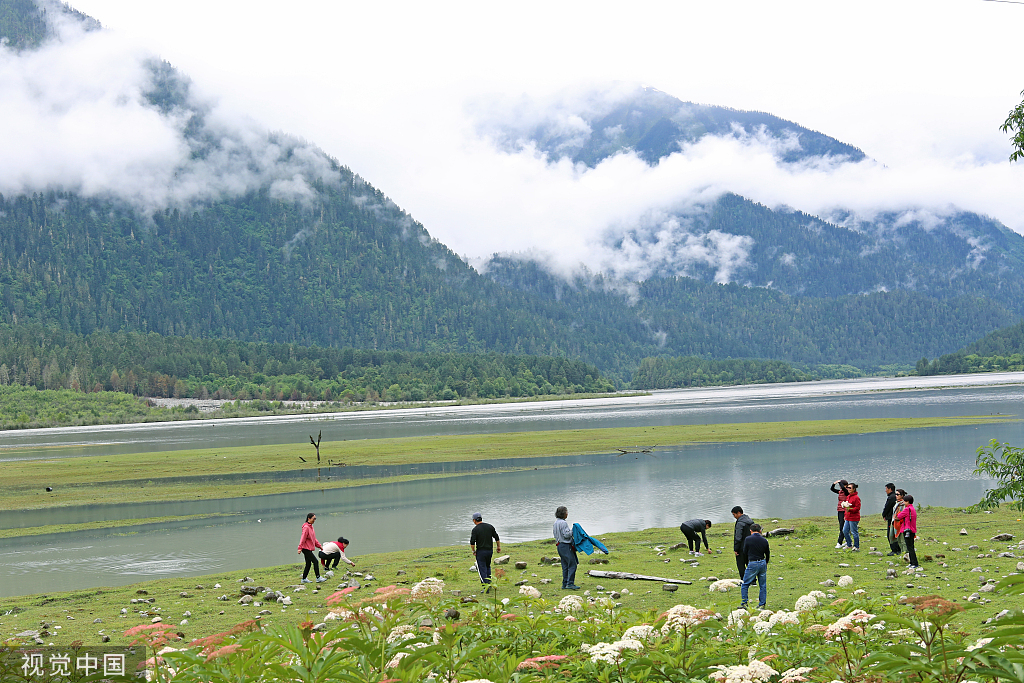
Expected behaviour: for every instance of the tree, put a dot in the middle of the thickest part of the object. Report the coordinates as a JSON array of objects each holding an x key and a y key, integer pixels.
[
  {"x": 1014, "y": 124},
  {"x": 1005, "y": 464}
]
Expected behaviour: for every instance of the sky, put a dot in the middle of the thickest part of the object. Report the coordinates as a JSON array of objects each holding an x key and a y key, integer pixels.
[{"x": 397, "y": 91}]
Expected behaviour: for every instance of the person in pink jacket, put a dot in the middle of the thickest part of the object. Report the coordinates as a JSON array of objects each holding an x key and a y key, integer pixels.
[
  {"x": 307, "y": 542},
  {"x": 907, "y": 518},
  {"x": 852, "y": 507}
]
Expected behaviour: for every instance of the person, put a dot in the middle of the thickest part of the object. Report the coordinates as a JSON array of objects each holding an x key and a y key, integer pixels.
[
  {"x": 901, "y": 544},
  {"x": 887, "y": 515},
  {"x": 756, "y": 554},
  {"x": 566, "y": 548},
  {"x": 335, "y": 552},
  {"x": 480, "y": 543},
  {"x": 691, "y": 529},
  {"x": 307, "y": 542},
  {"x": 842, "y": 484},
  {"x": 740, "y": 533},
  {"x": 850, "y": 528},
  {"x": 908, "y": 527}
]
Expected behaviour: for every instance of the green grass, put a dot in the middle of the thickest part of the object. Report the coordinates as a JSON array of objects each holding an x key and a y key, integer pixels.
[
  {"x": 799, "y": 563},
  {"x": 101, "y": 479}
]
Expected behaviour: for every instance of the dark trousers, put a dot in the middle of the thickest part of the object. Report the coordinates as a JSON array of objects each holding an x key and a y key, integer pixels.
[
  {"x": 842, "y": 522},
  {"x": 310, "y": 562},
  {"x": 483, "y": 563},
  {"x": 692, "y": 539},
  {"x": 569, "y": 561},
  {"x": 908, "y": 536},
  {"x": 892, "y": 537},
  {"x": 741, "y": 567},
  {"x": 327, "y": 558}
]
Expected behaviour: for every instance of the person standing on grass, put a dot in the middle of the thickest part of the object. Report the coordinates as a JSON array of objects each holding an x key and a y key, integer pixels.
[
  {"x": 307, "y": 542},
  {"x": 566, "y": 548},
  {"x": 756, "y": 554},
  {"x": 888, "y": 512},
  {"x": 694, "y": 530},
  {"x": 740, "y": 533},
  {"x": 852, "y": 506},
  {"x": 908, "y": 527},
  {"x": 480, "y": 543},
  {"x": 841, "y": 511},
  {"x": 901, "y": 544}
]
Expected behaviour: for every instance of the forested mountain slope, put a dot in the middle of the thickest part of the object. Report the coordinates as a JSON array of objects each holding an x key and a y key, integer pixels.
[{"x": 280, "y": 243}]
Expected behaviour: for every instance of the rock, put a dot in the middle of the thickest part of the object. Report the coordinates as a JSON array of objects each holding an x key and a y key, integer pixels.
[
  {"x": 124, "y": 611},
  {"x": 104, "y": 638},
  {"x": 615, "y": 595},
  {"x": 520, "y": 565},
  {"x": 183, "y": 622},
  {"x": 1002, "y": 537},
  {"x": 224, "y": 598},
  {"x": 142, "y": 591},
  {"x": 625, "y": 591},
  {"x": 598, "y": 560},
  {"x": 156, "y": 620},
  {"x": 522, "y": 583},
  {"x": 27, "y": 634},
  {"x": 97, "y": 621},
  {"x": 827, "y": 582},
  {"x": 843, "y": 564},
  {"x": 199, "y": 587},
  {"x": 890, "y": 573},
  {"x": 183, "y": 594},
  {"x": 781, "y": 532},
  {"x": 245, "y": 600},
  {"x": 545, "y": 580},
  {"x": 264, "y": 612},
  {"x": 187, "y": 614},
  {"x": 679, "y": 546},
  {"x": 670, "y": 587},
  {"x": 599, "y": 587},
  {"x": 875, "y": 553},
  {"x": 973, "y": 547},
  {"x": 1006, "y": 555},
  {"x": 451, "y": 614},
  {"x": 467, "y": 599},
  {"x": 550, "y": 560},
  {"x": 298, "y": 589},
  {"x": 963, "y": 532},
  {"x": 216, "y": 586},
  {"x": 248, "y": 590},
  {"x": 987, "y": 588},
  {"x": 1020, "y": 566},
  {"x": 503, "y": 559},
  {"x": 353, "y": 583},
  {"x": 456, "y": 593}
]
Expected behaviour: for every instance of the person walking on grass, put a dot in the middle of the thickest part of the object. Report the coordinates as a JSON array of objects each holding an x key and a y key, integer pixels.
[
  {"x": 840, "y": 510},
  {"x": 852, "y": 506},
  {"x": 566, "y": 548},
  {"x": 888, "y": 513},
  {"x": 307, "y": 542},
  {"x": 756, "y": 554},
  {"x": 908, "y": 527},
  {"x": 695, "y": 530},
  {"x": 740, "y": 532},
  {"x": 480, "y": 543}
]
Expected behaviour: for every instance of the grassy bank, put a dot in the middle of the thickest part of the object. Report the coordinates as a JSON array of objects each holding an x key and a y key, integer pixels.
[
  {"x": 800, "y": 562},
  {"x": 142, "y": 477}
]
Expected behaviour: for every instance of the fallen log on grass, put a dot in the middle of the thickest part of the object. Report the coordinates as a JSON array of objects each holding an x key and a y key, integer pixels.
[{"x": 634, "y": 577}]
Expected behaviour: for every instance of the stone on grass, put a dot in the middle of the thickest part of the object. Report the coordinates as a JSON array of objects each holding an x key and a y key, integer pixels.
[
  {"x": 963, "y": 532},
  {"x": 503, "y": 559},
  {"x": 245, "y": 600},
  {"x": 670, "y": 587},
  {"x": 1002, "y": 537},
  {"x": 520, "y": 565},
  {"x": 827, "y": 582},
  {"x": 598, "y": 560}
]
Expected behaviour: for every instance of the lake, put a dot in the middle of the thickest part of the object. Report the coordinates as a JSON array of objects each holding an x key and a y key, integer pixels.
[{"x": 605, "y": 493}]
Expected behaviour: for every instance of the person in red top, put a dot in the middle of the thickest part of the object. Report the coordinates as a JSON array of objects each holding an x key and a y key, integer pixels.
[
  {"x": 842, "y": 484},
  {"x": 852, "y": 514},
  {"x": 908, "y": 527},
  {"x": 307, "y": 542}
]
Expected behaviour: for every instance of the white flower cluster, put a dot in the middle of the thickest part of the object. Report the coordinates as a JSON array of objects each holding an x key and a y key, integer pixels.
[
  {"x": 429, "y": 586},
  {"x": 756, "y": 670},
  {"x": 685, "y": 616},
  {"x": 766, "y": 620},
  {"x": 795, "y": 675},
  {"x": 570, "y": 603},
  {"x": 848, "y": 623},
  {"x": 845, "y": 581},
  {"x": 980, "y": 643},
  {"x": 529, "y": 591},
  {"x": 641, "y": 632},
  {"x": 806, "y": 603},
  {"x": 611, "y": 653},
  {"x": 723, "y": 585},
  {"x": 738, "y": 617},
  {"x": 404, "y": 632}
]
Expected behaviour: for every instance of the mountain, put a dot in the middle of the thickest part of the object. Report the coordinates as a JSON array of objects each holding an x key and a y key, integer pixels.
[{"x": 251, "y": 236}]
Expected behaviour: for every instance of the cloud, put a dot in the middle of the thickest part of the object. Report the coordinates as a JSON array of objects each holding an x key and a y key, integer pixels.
[{"x": 78, "y": 115}]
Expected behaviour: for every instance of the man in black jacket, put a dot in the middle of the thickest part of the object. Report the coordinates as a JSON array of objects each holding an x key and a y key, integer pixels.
[
  {"x": 756, "y": 555},
  {"x": 887, "y": 510},
  {"x": 740, "y": 533},
  {"x": 483, "y": 549},
  {"x": 694, "y": 530}
]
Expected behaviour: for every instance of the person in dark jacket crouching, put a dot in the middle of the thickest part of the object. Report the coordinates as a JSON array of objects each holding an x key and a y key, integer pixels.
[
  {"x": 695, "y": 530},
  {"x": 756, "y": 555},
  {"x": 740, "y": 533}
]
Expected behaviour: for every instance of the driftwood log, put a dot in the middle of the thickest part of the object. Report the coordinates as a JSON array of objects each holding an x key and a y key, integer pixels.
[
  {"x": 781, "y": 532},
  {"x": 634, "y": 577}
]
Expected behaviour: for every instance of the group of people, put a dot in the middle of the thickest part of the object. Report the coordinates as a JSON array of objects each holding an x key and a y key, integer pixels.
[
  {"x": 751, "y": 548},
  {"x": 899, "y": 514},
  {"x": 330, "y": 553}
]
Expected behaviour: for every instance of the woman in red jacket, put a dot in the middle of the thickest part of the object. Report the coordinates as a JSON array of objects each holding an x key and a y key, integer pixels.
[
  {"x": 908, "y": 527},
  {"x": 307, "y": 542},
  {"x": 852, "y": 507}
]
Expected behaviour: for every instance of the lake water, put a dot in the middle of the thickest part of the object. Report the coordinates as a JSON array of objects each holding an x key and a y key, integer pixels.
[{"x": 605, "y": 493}]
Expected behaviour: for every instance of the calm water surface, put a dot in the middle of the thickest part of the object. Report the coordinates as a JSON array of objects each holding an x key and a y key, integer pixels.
[{"x": 605, "y": 493}]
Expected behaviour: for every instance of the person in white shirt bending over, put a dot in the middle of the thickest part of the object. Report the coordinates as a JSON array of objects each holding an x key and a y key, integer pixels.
[{"x": 333, "y": 552}]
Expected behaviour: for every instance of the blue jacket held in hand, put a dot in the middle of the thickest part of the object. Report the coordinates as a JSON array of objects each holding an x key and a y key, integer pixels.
[{"x": 586, "y": 543}]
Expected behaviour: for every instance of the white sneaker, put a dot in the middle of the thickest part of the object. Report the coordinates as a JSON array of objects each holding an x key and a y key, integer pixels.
[
  {"x": 839, "y": 545},
  {"x": 306, "y": 581},
  {"x": 321, "y": 579}
]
